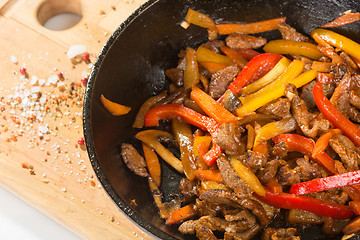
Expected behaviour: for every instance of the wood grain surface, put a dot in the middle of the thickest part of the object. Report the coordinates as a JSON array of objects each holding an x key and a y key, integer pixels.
[{"x": 41, "y": 120}]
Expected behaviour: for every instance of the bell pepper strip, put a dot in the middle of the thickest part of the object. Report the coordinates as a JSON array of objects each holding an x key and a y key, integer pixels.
[
  {"x": 150, "y": 138},
  {"x": 211, "y": 107},
  {"x": 201, "y": 147},
  {"x": 331, "y": 113},
  {"x": 208, "y": 175},
  {"x": 149, "y": 103},
  {"x": 326, "y": 183},
  {"x": 257, "y": 117},
  {"x": 199, "y": 19},
  {"x": 256, "y": 68},
  {"x": 207, "y": 185},
  {"x": 153, "y": 164},
  {"x": 343, "y": 20},
  {"x": 323, "y": 142},
  {"x": 322, "y": 66},
  {"x": 296, "y": 216},
  {"x": 250, "y": 28},
  {"x": 313, "y": 205},
  {"x": 235, "y": 56},
  {"x": 329, "y": 52},
  {"x": 211, "y": 156},
  {"x": 339, "y": 41},
  {"x": 184, "y": 137},
  {"x": 250, "y": 136},
  {"x": 274, "y": 186},
  {"x": 353, "y": 227},
  {"x": 248, "y": 176},
  {"x": 273, "y": 129},
  {"x": 114, "y": 108},
  {"x": 273, "y": 74},
  {"x": 246, "y": 53},
  {"x": 213, "y": 66},
  {"x": 325, "y": 78},
  {"x": 320, "y": 41},
  {"x": 191, "y": 72},
  {"x": 284, "y": 46},
  {"x": 181, "y": 215},
  {"x": 206, "y": 55},
  {"x": 355, "y": 205}
]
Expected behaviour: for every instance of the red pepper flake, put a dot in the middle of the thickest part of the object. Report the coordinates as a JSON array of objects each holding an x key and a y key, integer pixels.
[
  {"x": 81, "y": 141},
  {"x": 60, "y": 75},
  {"x": 92, "y": 182},
  {"x": 84, "y": 80},
  {"x": 23, "y": 70},
  {"x": 25, "y": 165},
  {"x": 85, "y": 57}
]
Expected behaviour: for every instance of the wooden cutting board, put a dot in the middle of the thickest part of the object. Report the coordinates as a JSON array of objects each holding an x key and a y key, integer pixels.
[{"x": 40, "y": 113}]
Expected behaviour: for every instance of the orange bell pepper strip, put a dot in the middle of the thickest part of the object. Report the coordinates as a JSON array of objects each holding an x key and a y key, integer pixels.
[
  {"x": 250, "y": 136},
  {"x": 339, "y": 41},
  {"x": 191, "y": 72},
  {"x": 355, "y": 205},
  {"x": 256, "y": 68},
  {"x": 343, "y": 20},
  {"x": 153, "y": 164},
  {"x": 331, "y": 113},
  {"x": 235, "y": 56},
  {"x": 184, "y": 137},
  {"x": 199, "y": 19},
  {"x": 325, "y": 78},
  {"x": 284, "y": 46},
  {"x": 181, "y": 215},
  {"x": 114, "y": 108},
  {"x": 211, "y": 107},
  {"x": 213, "y": 66},
  {"x": 201, "y": 147},
  {"x": 250, "y": 28},
  {"x": 209, "y": 175},
  {"x": 206, "y": 55},
  {"x": 274, "y": 186},
  {"x": 323, "y": 142}
]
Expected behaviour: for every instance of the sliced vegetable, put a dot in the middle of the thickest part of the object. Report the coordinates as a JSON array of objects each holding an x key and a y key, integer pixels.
[
  {"x": 274, "y": 186},
  {"x": 250, "y": 28},
  {"x": 201, "y": 147},
  {"x": 331, "y": 113},
  {"x": 209, "y": 175},
  {"x": 153, "y": 164},
  {"x": 322, "y": 66},
  {"x": 207, "y": 185},
  {"x": 284, "y": 46},
  {"x": 181, "y": 214},
  {"x": 191, "y": 72},
  {"x": 323, "y": 141},
  {"x": 248, "y": 54},
  {"x": 250, "y": 137},
  {"x": 211, "y": 156},
  {"x": 114, "y": 108},
  {"x": 235, "y": 56},
  {"x": 355, "y": 205},
  {"x": 199, "y": 19},
  {"x": 213, "y": 66},
  {"x": 206, "y": 55},
  {"x": 343, "y": 20}
]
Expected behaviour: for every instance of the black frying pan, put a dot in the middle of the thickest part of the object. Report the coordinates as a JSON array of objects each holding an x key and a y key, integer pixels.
[{"x": 130, "y": 69}]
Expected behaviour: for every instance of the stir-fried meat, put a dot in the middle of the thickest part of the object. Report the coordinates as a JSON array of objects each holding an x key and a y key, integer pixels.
[
  {"x": 214, "y": 45},
  {"x": 270, "y": 170},
  {"x": 231, "y": 179},
  {"x": 307, "y": 95},
  {"x": 230, "y": 199},
  {"x": 204, "y": 233},
  {"x": 176, "y": 76},
  {"x": 133, "y": 160},
  {"x": 280, "y": 107},
  {"x": 243, "y": 215},
  {"x": 355, "y": 99},
  {"x": 246, "y": 235},
  {"x": 253, "y": 160},
  {"x": 348, "y": 154},
  {"x": 188, "y": 227},
  {"x": 221, "y": 79},
  {"x": 335, "y": 196},
  {"x": 307, "y": 121},
  {"x": 308, "y": 170},
  {"x": 229, "y": 138},
  {"x": 279, "y": 234},
  {"x": 204, "y": 208},
  {"x": 289, "y": 33},
  {"x": 339, "y": 70},
  {"x": 287, "y": 176},
  {"x": 239, "y": 40},
  {"x": 279, "y": 150},
  {"x": 189, "y": 189}
]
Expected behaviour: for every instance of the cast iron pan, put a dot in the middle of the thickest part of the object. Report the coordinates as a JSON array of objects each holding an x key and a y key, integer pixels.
[{"x": 130, "y": 69}]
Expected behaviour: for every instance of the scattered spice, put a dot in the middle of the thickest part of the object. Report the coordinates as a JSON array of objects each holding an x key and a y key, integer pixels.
[
  {"x": 81, "y": 141},
  {"x": 23, "y": 70},
  {"x": 84, "y": 80}
]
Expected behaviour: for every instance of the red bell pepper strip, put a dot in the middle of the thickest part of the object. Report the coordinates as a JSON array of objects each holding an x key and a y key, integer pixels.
[
  {"x": 326, "y": 183},
  {"x": 254, "y": 69},
  {"x": 246, "y": 53},
  {"x": 331, "y": 113},
  {"x": 316, "y": 206}
]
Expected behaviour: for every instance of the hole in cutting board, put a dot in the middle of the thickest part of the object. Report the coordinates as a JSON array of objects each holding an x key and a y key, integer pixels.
[{"x": 59, "y": 15}]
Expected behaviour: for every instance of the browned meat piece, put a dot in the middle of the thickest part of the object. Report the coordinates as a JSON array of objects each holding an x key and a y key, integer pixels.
[
  {"x": 189, "y": 189},
  {"x": 176, "y": 76},
  {"x": 355, "y": 99},
  {"x": 231, "y": 179},
  {"x": 243, "y": 215},
  {"x": 307, "y": 95},
  {"x": 280, "y": 107},
  {"x": 336, "y": 196},
  {"x": 246, "y": 235},
  {"x": 279, "y": 234},
  {"x": 229, "y": 138},
  {"x": 308, "y": 170},
  {"x": 133, "y": 160},
  {"x": 339, "y": 71},
  {"x": 239, "y": 40},
  {"x": 203, "y": 233},
  {"x": 229, "y": 198},
  {"x": 188, "y": 227},
  {"x": 344, "y": 106},
  {"x": 279, "y": 151},
  {"x": 221, "y": 79},
  {"x": 214, "y": 45},
  {"x": 287, "y": 176},
  {"x": 289, "y": 33},
  {"x": 230, "y": 101},
  {"x": 269, "y": 170},
  {"x": 204, "y": 208},
  {"x": 253, "y": 160},
  {"x": 347, "y": 151},
  {"x": 307, "y": 121}
]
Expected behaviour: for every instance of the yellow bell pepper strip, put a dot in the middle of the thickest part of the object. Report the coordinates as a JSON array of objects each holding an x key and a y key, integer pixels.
[
  {"x": 149, "y": 103},
  {"x": 206, "y": 55},
  {"x": 209, "y": 175},
  {"x": 191, "y": 72},
  {"x": 273, "y": 74},
  {"x": 326, "y": 183},
  {"x": 199, "y": 19},
  {"x": 150, "y": 138},
  {"x": 273, "y": 129},
  {"x": 322, "y": 66},
  {"x": 331, "y": 113},
  {"x": 316, "y": 206},
  {"x": 184, "y": 137},
  {"x": 273, "y": 93},
  {"x": 339, "y": 41},
  {"x": 213, "y": 66},
  {"x": 153, "y": 164},
  {"x": 284, "y": 46},
  {"x": 181, "y": 215},
  {"x": 211, "y": 107},
  {"x": 256, "y": 68},
  {"x": 207, "y": 185},
  {"x": 235, "y": 56},
  {"x": 343, "y": 20},
  {"x": 323, "y": 141},
  {"x": 114, "y": 108},
  {"x": 248, "y": 176},
  {"x": 250, "y": 28},
  {"x": 250, "y": 136}
]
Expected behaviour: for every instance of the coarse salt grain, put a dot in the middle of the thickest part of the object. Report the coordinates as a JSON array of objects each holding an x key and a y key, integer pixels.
[
  {"x": 13, "y": 59},
  {"x": 35, "y": 89},
  {"x": 76, "y": 50},
  {"x": 52, "y": 80},
  {"x": 34, "y": 80}
]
